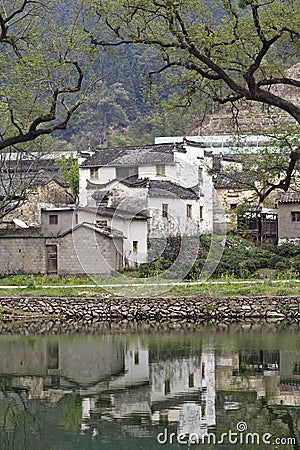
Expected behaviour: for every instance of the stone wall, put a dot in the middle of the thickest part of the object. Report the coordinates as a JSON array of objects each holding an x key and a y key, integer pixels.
[
  {"x": 176, "y": 309},
  {"x": 22, "y": 255}
]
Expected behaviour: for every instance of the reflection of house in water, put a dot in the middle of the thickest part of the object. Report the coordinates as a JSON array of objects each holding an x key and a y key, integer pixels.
[
  {"x": 140, "y": 391},
  {"x": 183, "y": 391},
  {"x": 288, "y": 392},
  {"x": 60, "y": 364},
  {"x": 256, "y": 372}
]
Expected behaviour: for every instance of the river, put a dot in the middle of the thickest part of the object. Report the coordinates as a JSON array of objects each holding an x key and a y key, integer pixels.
[{"x": 208, "y": 387}]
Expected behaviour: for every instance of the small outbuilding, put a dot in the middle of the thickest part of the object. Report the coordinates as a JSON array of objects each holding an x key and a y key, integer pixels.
[{"x": 87, "y": 249}]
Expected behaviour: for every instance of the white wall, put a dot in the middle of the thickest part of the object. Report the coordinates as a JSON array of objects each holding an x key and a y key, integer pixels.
[
  {"x": 133, "y": 230},
  {"x": 84, "y": 175},
  {"x": 187, "y": 175},
  {"x": 150, "y": 172},
  {"x": 177, "y": 222},
  {"x": 177, "y": 371},
  {"x": 105, "y": 175}
]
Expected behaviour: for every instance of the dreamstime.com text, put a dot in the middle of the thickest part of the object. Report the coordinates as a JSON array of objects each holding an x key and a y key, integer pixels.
[{"x": 240, "y": 436}]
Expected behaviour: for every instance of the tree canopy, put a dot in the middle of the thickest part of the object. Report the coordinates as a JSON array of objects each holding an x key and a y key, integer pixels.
[
  {"x": 226, "y": 50},
  {"x": 41, "y": 69},
  {"x": 236, "y": 49}
]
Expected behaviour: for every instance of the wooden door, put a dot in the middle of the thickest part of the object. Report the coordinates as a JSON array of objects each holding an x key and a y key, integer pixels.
[{"x": 51, "y": 259}]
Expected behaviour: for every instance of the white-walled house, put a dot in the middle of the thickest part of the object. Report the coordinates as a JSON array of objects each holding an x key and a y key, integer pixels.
[{"x": 149, "y": 193}]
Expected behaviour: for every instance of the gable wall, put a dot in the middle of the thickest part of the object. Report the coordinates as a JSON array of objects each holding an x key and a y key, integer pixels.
[
  {"x": 286, "y": 228},
  {"x": 87, "y": 252}
]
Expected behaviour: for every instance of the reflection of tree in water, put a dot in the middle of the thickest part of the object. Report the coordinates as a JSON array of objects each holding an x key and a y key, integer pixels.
[
  {"x": 286, "y": 417},
  {"x": 16, "y": 419},
  {"x": 29, "y": 424}
]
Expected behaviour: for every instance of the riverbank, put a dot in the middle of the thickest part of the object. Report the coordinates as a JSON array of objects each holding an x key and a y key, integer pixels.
[{"x": 201, "y": 309}]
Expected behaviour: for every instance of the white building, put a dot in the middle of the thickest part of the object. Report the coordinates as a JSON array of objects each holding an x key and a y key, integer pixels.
[{"x": 150, "y": 193}]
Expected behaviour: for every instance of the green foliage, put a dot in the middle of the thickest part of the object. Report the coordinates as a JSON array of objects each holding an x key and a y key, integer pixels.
[
  {"x": 69, "y": 172},
  {"x": 239, "y": 260},
  {"x": 71, "y": 414},
  {"x": 153, "y": 268},
  {"x": 288, "y": 250}
]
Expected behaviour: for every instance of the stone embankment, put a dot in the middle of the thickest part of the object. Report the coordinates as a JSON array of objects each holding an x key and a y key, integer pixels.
[{"x": 158, "y": 309}]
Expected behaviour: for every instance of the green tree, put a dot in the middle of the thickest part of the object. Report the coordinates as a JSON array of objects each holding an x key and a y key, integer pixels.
[
  {"x": 225, "y": 50},
  {"x": 69, "y": 172},
  {"x": 43, "y": 56},
  {"x": 41, "y": 75}
]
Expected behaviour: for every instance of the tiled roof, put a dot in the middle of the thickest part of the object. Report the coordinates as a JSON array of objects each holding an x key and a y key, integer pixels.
[
  {"x": 289, "y": 197},
  {"x": 29, "y": 173},
  {"x": 132, "y": 156},
  {"x": 109, "y": 232},
  {"x": 17, "y": 187},
  {"x": 172, "y": 190},
  {"x": 114, "y": 212},
  {"x": 135, "y": 182}
]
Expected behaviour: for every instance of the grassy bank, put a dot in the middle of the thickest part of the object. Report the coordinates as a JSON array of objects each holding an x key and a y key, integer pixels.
[{"x": 23, "y": 285}]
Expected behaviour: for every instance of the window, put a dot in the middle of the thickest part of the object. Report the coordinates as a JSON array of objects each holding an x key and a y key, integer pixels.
[
  {"x": 295, "y": 216},
  {"x": 135, "y": 246},
  {"x": 165, "y": 210},
  {"x": 189, "y": 211},
  {"x": 203, "y": 371},
  {"x": 167, "y": 386},
  {"x": 53, "y": 219},
  {"x": 101, "y": 223},
  {"x": 191, "y": 380},
  {"x": 201, "y": 213},
  {"x": 200, "y": 174},
  {"x": 94, "y": 174},
  {"x": 233, "y": 205},
  {"x": 160, "y": 170},
  {"x": 136, "y": 358}
]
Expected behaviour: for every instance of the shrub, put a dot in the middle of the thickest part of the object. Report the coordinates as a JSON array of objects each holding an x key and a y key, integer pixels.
[
  {"x": 154, "y": 268},
  {"x": 288, "y": 250}
]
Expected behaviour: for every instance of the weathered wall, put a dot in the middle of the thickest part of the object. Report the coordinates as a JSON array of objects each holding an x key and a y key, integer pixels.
[
  {"x": 85, "y": 251},
  {"x": 66, "y": 218},
  {"x": 82, "y": 362},
  {"x": 49, "y": 194},
  {"x": 177, "y": 221},
  {"x": 286, "y": 228},
  {"x": 22, "y": 255},
  {"x": 80, "y": 252}
]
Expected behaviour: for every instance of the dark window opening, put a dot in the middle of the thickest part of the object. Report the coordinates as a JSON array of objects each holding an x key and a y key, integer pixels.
[
  {"x": 165, "y": 210},
  {"x": 53, "y": 219},
  {"x": 295, "y": 216}
]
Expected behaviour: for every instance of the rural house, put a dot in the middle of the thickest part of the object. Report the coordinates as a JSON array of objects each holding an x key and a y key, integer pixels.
[{"x": 165, "y": 190}]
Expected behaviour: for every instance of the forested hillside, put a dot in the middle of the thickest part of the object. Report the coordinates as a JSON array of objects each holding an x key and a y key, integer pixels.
[{"x": 124, "y": 109}]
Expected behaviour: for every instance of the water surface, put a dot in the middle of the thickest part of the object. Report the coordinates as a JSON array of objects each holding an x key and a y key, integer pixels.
[{"x": 147, "y": 390}]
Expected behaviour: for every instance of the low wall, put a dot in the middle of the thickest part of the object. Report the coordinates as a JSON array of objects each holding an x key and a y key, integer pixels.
[{"x": 181, "y": 309}]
